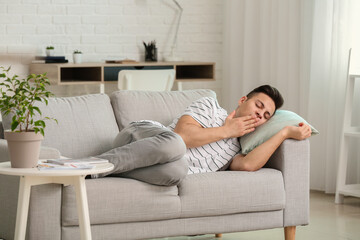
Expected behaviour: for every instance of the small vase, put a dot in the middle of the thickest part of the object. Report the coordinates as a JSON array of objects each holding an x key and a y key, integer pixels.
[
  {"x": 49, "y": 52},
  {"x": 24, "y": 148},
  {"x": 77, "y": 57}
]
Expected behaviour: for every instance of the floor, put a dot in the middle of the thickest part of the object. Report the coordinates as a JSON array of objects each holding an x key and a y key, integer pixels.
[{"x": 328, "y": 221}]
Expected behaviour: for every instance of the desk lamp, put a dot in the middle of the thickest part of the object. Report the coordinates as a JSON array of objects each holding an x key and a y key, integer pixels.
[{"x": 172, "y": 57}]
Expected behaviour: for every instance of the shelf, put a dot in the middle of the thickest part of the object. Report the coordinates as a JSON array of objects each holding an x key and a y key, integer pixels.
[
  {"x": 355, "y": 75},
  {"x": 194, "y": 72},
  {"x": 352, "y": 134},
  {"x": 76, "y": 82},
  {"x": 348, "y": 131},
  {"x": 80, "y": 75},
  {"x": 100, "y": 73},
  {"x": 111, "y": 72},
  {"x": 193, "y": 79},
  {"x": 350, "y": 190}
]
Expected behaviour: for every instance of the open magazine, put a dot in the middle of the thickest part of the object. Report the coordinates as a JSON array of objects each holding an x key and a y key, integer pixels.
[
  {"x": 70, "y": 164},
  {"x": 51, "y": 166},
  {"x": 70, "y": 161}
]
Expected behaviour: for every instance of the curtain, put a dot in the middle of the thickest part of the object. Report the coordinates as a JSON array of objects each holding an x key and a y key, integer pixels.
[
  {"x": 300, "y": 47},
  {"x": 332, "y": 37},
  {"x": 262, "y": 46}
]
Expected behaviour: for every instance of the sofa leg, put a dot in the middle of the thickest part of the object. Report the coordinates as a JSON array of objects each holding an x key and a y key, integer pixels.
[
  {"x": 290, "y": 233},
  {"x": 218, "y": 235}
]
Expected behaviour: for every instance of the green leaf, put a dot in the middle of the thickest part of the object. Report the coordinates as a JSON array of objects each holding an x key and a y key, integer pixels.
[
  {"x": 40, "y": 123},
  {"x": 37, "y": 109},
  {"x": 14, "y": 125}
]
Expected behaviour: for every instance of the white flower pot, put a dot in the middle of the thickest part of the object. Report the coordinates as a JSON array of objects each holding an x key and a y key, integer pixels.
[
  {"x": 77, "y": 57},
  {"x": 24, "y": 148},
  {"x": 49, "y": 52}
]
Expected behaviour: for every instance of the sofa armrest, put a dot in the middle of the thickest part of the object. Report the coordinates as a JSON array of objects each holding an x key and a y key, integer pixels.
[
  {"x": 45, "y": 152},
  {"x": 4, "y": 152},
  {"x": 292, "y": 158}
]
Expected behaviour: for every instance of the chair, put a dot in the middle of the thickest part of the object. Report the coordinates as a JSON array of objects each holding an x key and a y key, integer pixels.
[{"x": 149, "y": 80}]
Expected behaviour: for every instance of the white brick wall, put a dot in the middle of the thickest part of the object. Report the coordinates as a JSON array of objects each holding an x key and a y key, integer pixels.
[{"x": 102, "y": 28}]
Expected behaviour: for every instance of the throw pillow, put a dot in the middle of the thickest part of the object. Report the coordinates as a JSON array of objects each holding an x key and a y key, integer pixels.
[{"x": 277, "y": 122}]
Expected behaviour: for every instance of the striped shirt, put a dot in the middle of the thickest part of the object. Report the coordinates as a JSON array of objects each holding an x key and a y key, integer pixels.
[{"x": 216, "y": 155}]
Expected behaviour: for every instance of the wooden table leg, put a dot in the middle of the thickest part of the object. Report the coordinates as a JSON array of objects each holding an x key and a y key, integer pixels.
[
  {"x": 82, "y": 207},
  {"x": 22, "y": 208}
]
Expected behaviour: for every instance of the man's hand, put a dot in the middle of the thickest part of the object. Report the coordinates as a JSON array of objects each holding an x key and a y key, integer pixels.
[
  {"x": 301, "y": 132},
  {"x": 237, "y": 127}
]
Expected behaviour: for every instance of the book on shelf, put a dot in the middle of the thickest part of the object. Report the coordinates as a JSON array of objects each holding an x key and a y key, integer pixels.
[
  {"x": 70, "y": 161},
  {"x": 56, "y": 61},
  {"x": 50, "y": 59}
]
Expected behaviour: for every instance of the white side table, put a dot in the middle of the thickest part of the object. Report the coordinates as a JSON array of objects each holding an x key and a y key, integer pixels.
[{"x": 32, "y": 176}]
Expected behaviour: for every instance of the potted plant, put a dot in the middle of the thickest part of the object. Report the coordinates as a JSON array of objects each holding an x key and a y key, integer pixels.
[
  {"x": 18, "y": 97},
  {"x": 77, "y": 55},
  {"x": 50, "y": 51}
]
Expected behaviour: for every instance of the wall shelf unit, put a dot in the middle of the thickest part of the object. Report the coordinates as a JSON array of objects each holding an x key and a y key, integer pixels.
[
  {"x": 102, "y": 73},
  {"x": 349, "y": 132}
]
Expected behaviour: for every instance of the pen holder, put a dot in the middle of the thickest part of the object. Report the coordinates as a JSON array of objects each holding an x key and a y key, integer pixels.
[{"x": 151, "y": 54}]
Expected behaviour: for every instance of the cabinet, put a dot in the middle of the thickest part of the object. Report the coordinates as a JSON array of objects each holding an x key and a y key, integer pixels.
[{"x": 102, "y": 73}]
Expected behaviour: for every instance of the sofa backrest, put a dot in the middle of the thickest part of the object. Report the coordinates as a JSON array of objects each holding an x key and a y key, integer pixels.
[
  {"x": 86, "y": 125},
  {"x": 163, "y": 107}
]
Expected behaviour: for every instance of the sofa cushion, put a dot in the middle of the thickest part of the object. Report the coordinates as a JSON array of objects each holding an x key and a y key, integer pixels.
[
  {"x": 230, "y": 192},
  {"x": 163, "y": 107},
  {"x": 86, "y": 125},
  {"x": 118, "y": 200}
]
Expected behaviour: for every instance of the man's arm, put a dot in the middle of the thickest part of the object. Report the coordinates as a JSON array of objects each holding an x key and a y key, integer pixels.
[
  {"x": 194, "y": 135},
  {"x": 257, "y": 158}
]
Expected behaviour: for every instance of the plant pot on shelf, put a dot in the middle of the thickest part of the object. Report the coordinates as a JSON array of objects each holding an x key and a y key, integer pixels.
[
  {"x": 49, "y": 52},
  {"x": 77, "y": 57},
  {"x": 24, "y": 148}
]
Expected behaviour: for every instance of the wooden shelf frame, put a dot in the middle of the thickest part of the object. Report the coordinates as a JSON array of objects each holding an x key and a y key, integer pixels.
[{"x": 102, "y": 73}]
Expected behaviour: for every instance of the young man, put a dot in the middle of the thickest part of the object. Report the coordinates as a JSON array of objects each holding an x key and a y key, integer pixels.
[
  {"x": 253, "y": 110},
  {"x": 203, "y": 139}
]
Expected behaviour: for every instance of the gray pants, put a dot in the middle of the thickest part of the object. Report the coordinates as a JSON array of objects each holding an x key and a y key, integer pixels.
[{"x": 148, "y": 153}]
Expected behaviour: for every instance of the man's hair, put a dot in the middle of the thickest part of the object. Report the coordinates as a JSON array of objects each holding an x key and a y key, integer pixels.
[{"x": 272, "y": 92}]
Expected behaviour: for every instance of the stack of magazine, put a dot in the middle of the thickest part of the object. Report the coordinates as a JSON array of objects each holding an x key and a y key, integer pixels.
[{"x": 70, "y": 164}]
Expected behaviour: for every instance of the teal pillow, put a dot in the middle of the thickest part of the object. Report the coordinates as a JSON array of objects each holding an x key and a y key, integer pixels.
[{"x": 277, "y": 122}]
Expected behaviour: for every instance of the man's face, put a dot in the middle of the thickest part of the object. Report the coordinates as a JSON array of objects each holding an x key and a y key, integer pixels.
[{"x": 260, "y": 106}]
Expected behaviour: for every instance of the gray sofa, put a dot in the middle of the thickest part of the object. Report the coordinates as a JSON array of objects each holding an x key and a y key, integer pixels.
[{"x": 276, "y": 196}]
